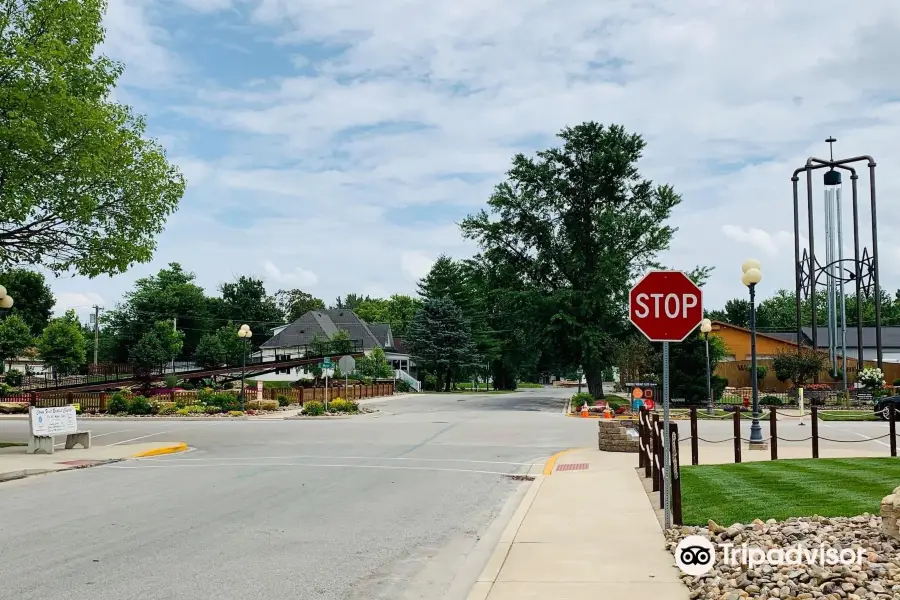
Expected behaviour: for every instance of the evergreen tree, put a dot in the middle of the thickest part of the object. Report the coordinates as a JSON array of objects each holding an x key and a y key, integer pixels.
[{"x": 440, "y": 341}]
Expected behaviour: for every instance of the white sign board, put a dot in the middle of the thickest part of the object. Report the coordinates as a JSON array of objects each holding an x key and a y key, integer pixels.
[
  {"x": 57, "y": 420},
  {"x": 259, "y": 390}
]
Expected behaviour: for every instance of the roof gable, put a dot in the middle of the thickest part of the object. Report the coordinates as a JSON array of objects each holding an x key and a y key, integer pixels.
[{"x": 324, "y": 324}]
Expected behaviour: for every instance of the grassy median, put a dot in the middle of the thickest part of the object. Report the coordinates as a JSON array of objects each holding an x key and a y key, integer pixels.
[{"x": 786, "y": 488}]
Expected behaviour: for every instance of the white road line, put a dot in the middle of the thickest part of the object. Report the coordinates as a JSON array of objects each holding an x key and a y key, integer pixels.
[
  {"x": 296, "y": 456},
  {"x": 93, "y": 437},
  {"x": 388, "y": 467},
  {"x": 854, "y": 433}
]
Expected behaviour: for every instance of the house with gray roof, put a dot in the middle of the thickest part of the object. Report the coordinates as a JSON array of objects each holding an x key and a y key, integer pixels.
[
  {"x": 290, "y": 341},
  {"x": 890, "y": 341}
]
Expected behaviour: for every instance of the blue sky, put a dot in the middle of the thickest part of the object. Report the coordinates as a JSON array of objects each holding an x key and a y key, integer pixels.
[{"x": 332, "y": 145}]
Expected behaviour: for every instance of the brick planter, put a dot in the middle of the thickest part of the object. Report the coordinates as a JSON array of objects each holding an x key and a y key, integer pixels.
[{"x": 613, "y": 436}]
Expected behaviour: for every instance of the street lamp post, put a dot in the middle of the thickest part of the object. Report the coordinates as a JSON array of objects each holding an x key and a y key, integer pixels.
[
  {"x": 753, "y": 275},
  {"x": 6, "y": 302},
  {"x": 705, "y": 328},
  {"x": 245, "y": 334}
]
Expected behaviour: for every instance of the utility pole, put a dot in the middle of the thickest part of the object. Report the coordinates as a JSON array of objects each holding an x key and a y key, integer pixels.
[{"x": 97, "y": 310}]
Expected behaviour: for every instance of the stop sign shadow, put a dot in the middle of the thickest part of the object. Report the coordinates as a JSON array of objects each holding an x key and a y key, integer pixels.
[{"x": 666, "y": 306}]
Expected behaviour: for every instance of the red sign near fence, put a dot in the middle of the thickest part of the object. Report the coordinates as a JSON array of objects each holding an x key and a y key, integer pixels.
[{"x": 666, "y": 306}]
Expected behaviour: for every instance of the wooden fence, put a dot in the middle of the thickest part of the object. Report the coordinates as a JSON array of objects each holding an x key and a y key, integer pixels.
[{"x": 97, "y": 401}]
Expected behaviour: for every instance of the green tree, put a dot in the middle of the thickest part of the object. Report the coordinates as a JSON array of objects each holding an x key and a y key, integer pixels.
[
  {"x": 15, "y": 337},
  {"x": 80, "y": 186},
  {"x": 61, "y": 345},
  {"x": 295, "y": 303},
  {"x": 447, "y": 278},
  {"x": 374, "y": 365},
  {"x": 233, "y": 347},
  {"x": 439, "y": 340},
  {"x": 209, "y": 353},
  {"x": 687, "y": 367},
  {"x": 397, "y": 311},
  {"x": 33, "y": 298},
  {"x": 156, "y": 349},
  {"x": 170, "y": 294},
  {"x": 245, "y": 301},
  {"x": 798, "y": 365},
  {"x": 350, "y": 301},
  {"x": 579, "y": 225}
]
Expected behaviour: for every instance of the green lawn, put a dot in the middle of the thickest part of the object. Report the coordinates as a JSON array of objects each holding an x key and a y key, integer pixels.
[
  {"x": 847, "y": 415},
  {"x": 718, "y": 414},
  {"x": 781, "y": 489},
  {"x": 471, "y": 391},
  {"x": 11, "y": 444}
]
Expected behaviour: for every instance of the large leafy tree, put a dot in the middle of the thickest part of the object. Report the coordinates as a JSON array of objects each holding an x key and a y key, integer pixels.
[
  {"x": 15, "y": 337},
  {"x": 350, "y": 301},
  {"x": 439, "y": 340},
  {"x": 245, "y": 300},
  {"x": 155, "y": 349},
  {"x": 578, "y": 224},
  {"x": 295, "y": 303},
  {"x": 209, "y": 353},
  {"x": 80, "y": 186},
  {"x": 34, "y": 299},
  {"x": 374, "y": 365},
  {"x": 62, "y": 345},
  {"x": 398, "y": 311},
  {"x": 170, "y": 294}
]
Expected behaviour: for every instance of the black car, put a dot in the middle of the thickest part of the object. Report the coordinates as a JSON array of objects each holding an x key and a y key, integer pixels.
[{"x": 882, "y": 407}]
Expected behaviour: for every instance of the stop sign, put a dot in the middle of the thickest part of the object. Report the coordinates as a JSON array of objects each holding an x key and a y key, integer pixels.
[{"x": 666, "y": 306}]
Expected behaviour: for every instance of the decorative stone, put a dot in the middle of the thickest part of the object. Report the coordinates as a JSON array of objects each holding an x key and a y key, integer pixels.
[{"x": 890, "y": 511}]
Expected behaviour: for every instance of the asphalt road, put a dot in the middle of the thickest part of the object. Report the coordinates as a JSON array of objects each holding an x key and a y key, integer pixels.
[{"x": 384, "y": 506}]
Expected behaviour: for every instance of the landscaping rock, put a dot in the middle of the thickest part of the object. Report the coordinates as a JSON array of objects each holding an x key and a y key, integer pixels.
[
  {"x": 876, "y": 577},
  {"x": 890, "y": 511}
]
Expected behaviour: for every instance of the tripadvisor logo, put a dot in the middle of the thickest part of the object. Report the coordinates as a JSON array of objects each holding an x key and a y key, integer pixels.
[{"x": 695, "y": 555}]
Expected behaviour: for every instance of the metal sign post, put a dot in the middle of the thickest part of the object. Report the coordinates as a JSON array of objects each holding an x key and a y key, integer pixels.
[{"x": 667, "y": 444}]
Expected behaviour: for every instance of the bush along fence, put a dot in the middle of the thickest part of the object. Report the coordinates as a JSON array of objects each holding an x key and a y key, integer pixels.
[
  {"x": 98, "y": 402},
  {"x": 651, "y": 455}
]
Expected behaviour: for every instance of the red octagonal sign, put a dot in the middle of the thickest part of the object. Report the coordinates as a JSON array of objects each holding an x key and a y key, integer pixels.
[{"x": 666, "y": 306}]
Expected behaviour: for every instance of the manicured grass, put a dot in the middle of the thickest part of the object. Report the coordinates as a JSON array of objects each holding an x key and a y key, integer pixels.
[
  {"x": 524, "y": 385},
  {"x": 471, "y": 391},
  {"x": 847, "y": 415},
  {"x": 782, "y": 489},
  {"x": 269, "y": 385},
  {"x": 11, "y": 444}
]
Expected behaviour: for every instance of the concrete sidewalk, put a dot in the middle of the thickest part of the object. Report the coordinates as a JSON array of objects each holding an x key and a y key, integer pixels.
[
  {"x": 15, "y": 463},
  {"x": 583, "y": 534}
]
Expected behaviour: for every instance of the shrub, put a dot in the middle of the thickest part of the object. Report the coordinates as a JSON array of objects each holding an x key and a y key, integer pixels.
[
  {"x": 430, "y": 383},
  {"x": 11, "y": 408},
  {"x": 897, "y": 383},
  {"x": 171, "y": 381},
  {"x": 117, "y": 404},
  {"x": 526, "y": 385},
  {"x": 283, "y": 400},
  {"x": 770, "y": 401},
  {"x": 314, "y": 408},
  {"x": 225, "y": 401},
  {"x": 264, "y": 405},
  {"x": 402, "y": 386},
  {"x": 194, "y": 409},
  {"x": 14, "y": 378},
  {"x": 582, "y": 398},
  {"x": 341, "y": 405},
  {"x": 166, "y": 408},
  {"x": 212, "y": 409},
  {"x": 235, "y": 413},
  {"x": 613, "y": 405},
  {"x": 139, "y": 405}
]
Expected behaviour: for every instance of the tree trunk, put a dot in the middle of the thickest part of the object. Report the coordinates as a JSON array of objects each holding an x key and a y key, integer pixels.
[{"x": 594, "y": 376}]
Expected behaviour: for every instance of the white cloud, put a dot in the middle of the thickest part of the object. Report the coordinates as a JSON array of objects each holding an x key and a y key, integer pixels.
[
  {"x": 81, "y": 302},
  {"x": 770, "y": 243},
  {"x": 297, "y": 276},
  {"x": 333, "y": 192},
  {"x": 207, "y": 6}
]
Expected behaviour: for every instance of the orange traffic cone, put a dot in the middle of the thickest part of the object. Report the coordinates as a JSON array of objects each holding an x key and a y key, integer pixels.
[
  {"x": 584, "y": 410},
  {"x": 607, "y": 414}
]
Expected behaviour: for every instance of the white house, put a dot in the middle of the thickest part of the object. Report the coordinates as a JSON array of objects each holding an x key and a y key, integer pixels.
[{"x": 289, "y": 340}]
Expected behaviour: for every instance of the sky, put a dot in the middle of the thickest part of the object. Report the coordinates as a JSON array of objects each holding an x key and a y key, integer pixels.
[{"x": 334, "y": 145}]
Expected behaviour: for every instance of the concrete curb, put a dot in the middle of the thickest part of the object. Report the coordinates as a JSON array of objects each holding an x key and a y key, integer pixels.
[
  {"x": 495, "y": 563},
  {"x": 551, "y": 462},
  {"x": 22, "y": 473},
  {"x": 172, "y": 449}
]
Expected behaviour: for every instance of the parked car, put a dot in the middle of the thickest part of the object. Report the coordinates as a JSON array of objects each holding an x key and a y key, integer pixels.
[{"x": 882, "y": 407}]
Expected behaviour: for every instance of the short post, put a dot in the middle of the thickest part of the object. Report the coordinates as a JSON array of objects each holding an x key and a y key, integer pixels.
[
  {"x": 648, "y": 458},
  {"x": 695, "y": 442},
  {"x": 737, "y": 434},
  {"x": 676, "y": 475},
  {"x": 663, "y": 438},
  {"x": 656, "y": 446},
  {"x": 773, "y": 432},
  {"x": 641, "y": 437},
  {"x": 892, "y": 415},
  {"x": 814, "y": 416}
]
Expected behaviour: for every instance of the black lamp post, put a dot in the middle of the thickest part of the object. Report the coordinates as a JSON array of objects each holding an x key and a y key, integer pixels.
[
  {"x": 705, "y": 328},
  {"x": 245, "y": 334},
  {"x": 752, "y": 275}
]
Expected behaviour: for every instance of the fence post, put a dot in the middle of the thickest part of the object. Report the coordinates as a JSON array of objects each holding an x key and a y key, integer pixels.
[
  {"x": 102, "y": 401},
  {"x": 32, "y": 399},
  {"x": 641, "y": 437},
  {"x": 69, "y": 399},
  {"x": 655, "y": 454},
  {"x": 814, "y": 416},
  {"x": 662, "y": 464},
  {"x": 676, "y": 474},
  {"x": 737, "y": 434},
  {"x": 773, "y": 432},
  {"x": 695, "y": 442},
  {"x": 893, "y": 429},
  {"x": 300, "y": 396}
]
